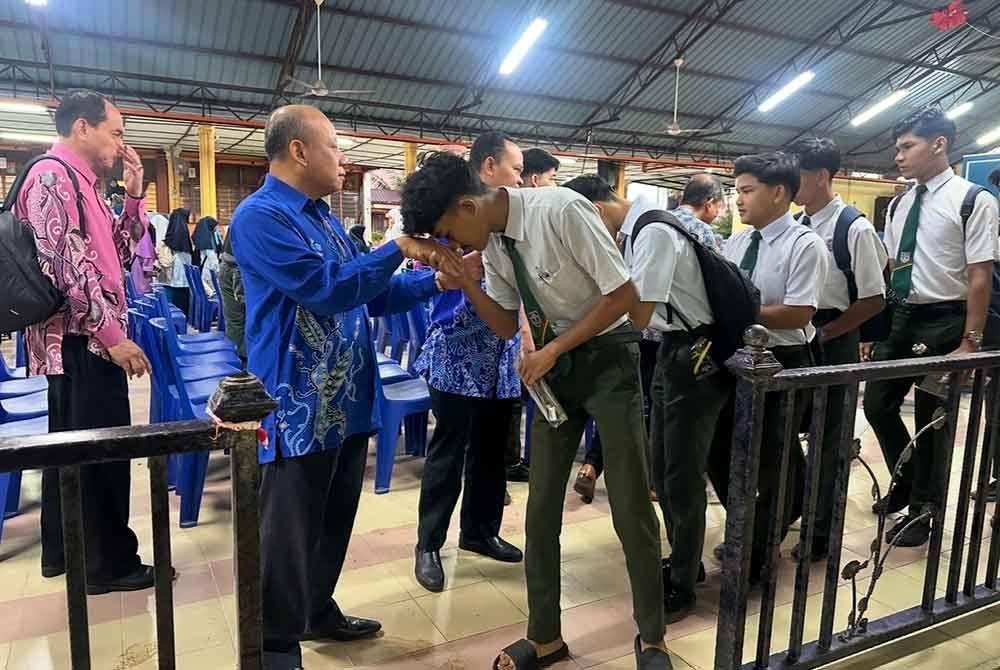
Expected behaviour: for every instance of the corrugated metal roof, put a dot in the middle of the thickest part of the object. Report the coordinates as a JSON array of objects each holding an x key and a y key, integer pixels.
[{"x": 420, "y": 55}]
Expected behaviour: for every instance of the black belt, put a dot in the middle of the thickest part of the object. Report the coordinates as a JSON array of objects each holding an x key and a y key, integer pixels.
[
  {"x": 934, "y": 309},
  {"x": 700, "y": 331},
  {"x": 624, "y": 334},
  {"x": 825, "y": 316},
  {"x": 790, "y": 349}
]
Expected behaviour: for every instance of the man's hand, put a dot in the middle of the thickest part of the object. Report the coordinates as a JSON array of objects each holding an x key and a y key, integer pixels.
[
  {"x": 429, "y": 252},
  {"x": 865, "y": 351},
  {"x": 472, "y": 265},
  {"x": 965, "y": 347},
  {"x": 130, "y": 358},
  {"x": 535, "y": 365},
  {"x": 132, "y": 172}
]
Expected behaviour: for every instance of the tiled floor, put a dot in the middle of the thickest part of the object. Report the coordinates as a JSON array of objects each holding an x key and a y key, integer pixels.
[{"x": 483, "y": 608}]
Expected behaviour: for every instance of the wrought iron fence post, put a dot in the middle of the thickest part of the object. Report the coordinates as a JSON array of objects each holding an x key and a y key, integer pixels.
[
  {"x": 754, "y": 366},
  {"x": 240, "y": 404}
]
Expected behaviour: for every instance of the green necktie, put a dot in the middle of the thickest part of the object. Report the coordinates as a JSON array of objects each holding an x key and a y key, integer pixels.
[
  {"x": 749, "y": 262},
  {"x": 806, "y": 221},
  {"x": 902, "y": 273}
]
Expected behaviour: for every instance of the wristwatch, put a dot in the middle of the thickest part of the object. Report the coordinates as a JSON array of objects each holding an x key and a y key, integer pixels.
[{"x": 975, "y": 337}]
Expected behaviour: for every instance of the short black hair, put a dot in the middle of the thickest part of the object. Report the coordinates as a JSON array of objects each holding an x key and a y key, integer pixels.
[
  {"x": 592, "y": 187},
  {"x": 994, "y": 178},
  {"x": 488, "y": 145},
  {"x": 538, "y": 161},
  {"x": 432, "y": 189},
  {"x": 774, "y": 169},
  {"x": 283, "y": 126},
  {"x": 816, "y": 153},
  {"x": 700, "y": 189},
  {"x": 80, "y": 104},
  {"x": 928, "y": 123}
]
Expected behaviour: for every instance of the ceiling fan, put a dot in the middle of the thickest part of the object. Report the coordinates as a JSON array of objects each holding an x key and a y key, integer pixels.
[
  {"x": 674, "y": 129},
  {"x": 318, "y": 88}
]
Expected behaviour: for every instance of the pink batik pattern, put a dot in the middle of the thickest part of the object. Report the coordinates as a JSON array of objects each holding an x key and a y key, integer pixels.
[{"x": 94, "y": 299}]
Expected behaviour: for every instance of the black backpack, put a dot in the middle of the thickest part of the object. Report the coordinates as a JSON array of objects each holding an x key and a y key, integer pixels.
[
  {"x": 734, "y": 300},
  {"x": 27, "y": 296},
  {"x": 877, "y": 327},
  {"x": 991, "y": 333}
]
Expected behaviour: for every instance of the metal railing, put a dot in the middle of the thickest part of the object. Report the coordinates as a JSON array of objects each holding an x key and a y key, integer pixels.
[
  {"x": 758, "y": 374},
  {"x": 240, "y": 403}
]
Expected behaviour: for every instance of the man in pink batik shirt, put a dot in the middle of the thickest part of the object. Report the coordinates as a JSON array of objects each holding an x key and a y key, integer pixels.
[{"x": 83, "y": 348}]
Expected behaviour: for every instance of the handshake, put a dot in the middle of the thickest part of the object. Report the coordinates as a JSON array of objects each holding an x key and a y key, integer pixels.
[{"x": 455, "y": 271}]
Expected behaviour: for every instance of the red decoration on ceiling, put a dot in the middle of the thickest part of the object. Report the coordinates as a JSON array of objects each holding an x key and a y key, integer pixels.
[{"x": 952, "y": 16}]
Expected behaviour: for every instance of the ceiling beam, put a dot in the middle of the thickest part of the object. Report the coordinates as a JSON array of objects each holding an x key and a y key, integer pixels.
[
  {"x": 951, "y": 46},
  {"x": 673, "y": 46},
  {"x": 581, "y": 102},
  {"x": 306, "y": 10},
  {"x": 805, "y": 58}
]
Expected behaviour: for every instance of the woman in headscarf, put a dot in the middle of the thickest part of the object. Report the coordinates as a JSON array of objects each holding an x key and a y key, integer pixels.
[
  {"x": 178, "y": 240},
  {"x": 208, "y": 244},
  {"x": 357, "y": 234},
  {"x": 144, "y": 263}
]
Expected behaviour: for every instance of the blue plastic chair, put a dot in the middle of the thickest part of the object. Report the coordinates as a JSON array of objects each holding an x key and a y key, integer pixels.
[
  {"x": 161, "y": 306},
  {"x": 180, "y": 348},
  {"x": 408, "y": 401},
  {"x": 13, "y": 388},
  {"x": 10, "y": 482},
  {"x": 20, "y": 352},
  {"x": 184, "y": 401},
  {"x": 24, "y": 407},
  {"x": 204, "y": 309},
  {"x": 8, "y": 373}
]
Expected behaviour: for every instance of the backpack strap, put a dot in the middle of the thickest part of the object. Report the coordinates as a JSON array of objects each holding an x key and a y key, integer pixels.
[
  {"x": 969, "y": 203},
  {"x": 841, "y": 249},
  {"x": 11, "y": 201},
  {"x": 893, "y": 204},
  {"x": 664, "y": 217}
]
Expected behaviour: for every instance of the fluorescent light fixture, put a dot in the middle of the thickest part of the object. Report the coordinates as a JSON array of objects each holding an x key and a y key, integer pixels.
[
  {"x": 566, "y": 160},
  {"x": 958, "y": 110},
  {"x": 879, "y": 107},
  {"x": 866, "y": 175},
  {"x": 786, "y": 90},
  {"x": 37, "y": 3},
  {"x": 520, "y": 48},
  {"x": 994, "y": 150},
  {"x": 23, "y": 107},
  {"x": 345, "y": 142},
  {"x": 28, "y": 137},
  {"x": 990, "y": 137}
]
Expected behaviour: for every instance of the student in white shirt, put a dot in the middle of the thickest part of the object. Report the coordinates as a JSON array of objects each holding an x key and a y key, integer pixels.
[
  {"x": 688, "y": 391},
  {"x": 548, "y": 248},
  {"x": 846, "y": 300},
  {"x": 941, "y": 277},
  {"x": 788, "y": 263}
]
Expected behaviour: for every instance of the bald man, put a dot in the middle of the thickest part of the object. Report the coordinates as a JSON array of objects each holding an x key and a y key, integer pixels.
[{"x": 309, "y": 295}]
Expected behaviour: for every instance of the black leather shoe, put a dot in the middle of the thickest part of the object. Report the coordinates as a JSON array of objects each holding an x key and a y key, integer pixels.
[
  {"x": 666, "y": 572},
  {"x": 820, "y": 552},
  {"x": 914, "y": 536},
  {"x": 288, "y": 657},
  {"x": 50, "y": 571},
  {"x": 991, "y": 491},
  {"x": 428, "y": 570},
  {"x": 143, "y": 577},
  {"x": 518, "y": 472},
  {"x": 494, "y": 547},
  {"x": 347, "y": 629},
  {"x": 893, "y": 504},
  {"x": 677, "y": 605}
]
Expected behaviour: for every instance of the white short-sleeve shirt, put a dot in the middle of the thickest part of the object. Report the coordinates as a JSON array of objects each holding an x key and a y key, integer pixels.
[
  {"x": 944, "y": 249},
  {"x": 570, "y": 258},
  {"x": 665, "y": 269},
  {"x": 792, "y": 263},
  {"x": 868, "y": 258}
]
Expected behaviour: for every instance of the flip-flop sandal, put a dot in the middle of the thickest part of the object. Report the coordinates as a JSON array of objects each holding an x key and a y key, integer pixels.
[
  {"x": 651, "y": 659},
  {"x": 525, "y": 657},
  {"x": 585, "y": 486}
]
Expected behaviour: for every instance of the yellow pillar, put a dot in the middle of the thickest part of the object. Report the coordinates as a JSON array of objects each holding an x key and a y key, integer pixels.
[
  {"x": 206, "y": 171},
  {"x": 409, "y": 158},
  {"x": 173, "y": 184},
  {"x": 620, "y": 180}
]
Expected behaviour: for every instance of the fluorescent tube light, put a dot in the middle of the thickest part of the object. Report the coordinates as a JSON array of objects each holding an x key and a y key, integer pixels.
[
  {"x": 879, "y": 107},
  {"x": 786, "y": 90},
  {"x": 521, "y": 47},
  {"x": 959, "y": 110}
]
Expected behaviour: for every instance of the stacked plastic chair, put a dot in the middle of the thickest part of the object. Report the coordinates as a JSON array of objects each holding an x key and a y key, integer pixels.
[
  {"x": 23, "y": 411},
  {"x": 405, "y": 402},
  {"x": 203, "y": 309}
]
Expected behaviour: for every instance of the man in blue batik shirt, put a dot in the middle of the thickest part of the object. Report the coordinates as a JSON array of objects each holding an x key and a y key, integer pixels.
[{"x": 309, "y": 295}]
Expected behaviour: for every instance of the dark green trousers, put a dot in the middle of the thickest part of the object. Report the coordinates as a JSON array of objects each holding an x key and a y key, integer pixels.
[
  {"x": 685, "y": 414},
  {"x": 839, "y": 351},
  {"x": 603, "y": 383},
  {"x": 940, "y": 327},
  {"x": 768, "y": 477}
]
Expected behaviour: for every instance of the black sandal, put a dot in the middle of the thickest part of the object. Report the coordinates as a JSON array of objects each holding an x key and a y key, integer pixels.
[
  {"x": 525, "y": 657},
  {"x": 651, "y": 659}
]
